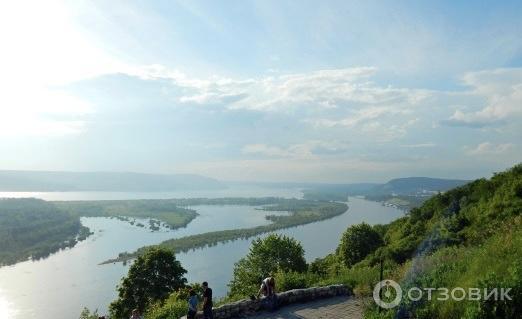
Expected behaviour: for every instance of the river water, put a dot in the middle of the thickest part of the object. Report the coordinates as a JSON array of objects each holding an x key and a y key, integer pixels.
[{"x": 61, "y": 285}]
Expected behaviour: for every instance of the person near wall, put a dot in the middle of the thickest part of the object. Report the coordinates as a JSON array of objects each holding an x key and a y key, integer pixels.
[
  {"x": 268, "y": 291},
  {"x": 192, "y": 304},
  {"x": 207, "y": 301}
]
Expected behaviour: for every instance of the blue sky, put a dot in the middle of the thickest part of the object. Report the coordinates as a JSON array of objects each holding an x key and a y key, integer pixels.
[{"x": 331, "y": 91}]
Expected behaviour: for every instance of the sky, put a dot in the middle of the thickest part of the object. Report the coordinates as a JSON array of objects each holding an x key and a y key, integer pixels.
[{"x": 305, "y": 91}]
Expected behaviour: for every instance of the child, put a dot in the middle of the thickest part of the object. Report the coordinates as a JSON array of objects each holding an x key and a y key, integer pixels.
[{"x": 192, "y": 304}]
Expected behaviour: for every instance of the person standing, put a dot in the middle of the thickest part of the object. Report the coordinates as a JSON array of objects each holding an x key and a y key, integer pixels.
[
  {"x": 192, "y": 304},
  {"x": 207, "y": 301}
]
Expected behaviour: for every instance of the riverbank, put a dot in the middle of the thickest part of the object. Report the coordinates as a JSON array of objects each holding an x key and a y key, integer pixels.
[{"x": 301, "y": 212}]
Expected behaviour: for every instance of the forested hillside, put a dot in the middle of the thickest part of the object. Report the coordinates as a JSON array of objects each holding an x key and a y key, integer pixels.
[
  {"x": 413, "y": 185},
  {"x": 470, "y": 236},
  {"x": 33, "y": 228}
]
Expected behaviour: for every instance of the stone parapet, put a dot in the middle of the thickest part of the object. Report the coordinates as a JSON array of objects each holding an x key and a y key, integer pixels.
[{"x": 246, "y": 307}]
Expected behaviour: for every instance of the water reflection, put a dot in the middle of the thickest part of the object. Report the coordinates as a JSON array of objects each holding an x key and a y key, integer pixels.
[
  {"x": 6, "y": 311},
  {"x": 233, "y": 191}
]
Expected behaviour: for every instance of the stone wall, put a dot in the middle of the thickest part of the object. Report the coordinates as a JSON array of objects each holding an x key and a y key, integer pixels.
[{"x": 246, "y": 306}]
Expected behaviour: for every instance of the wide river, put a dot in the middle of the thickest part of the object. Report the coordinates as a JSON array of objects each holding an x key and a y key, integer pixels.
[{"x": 60, "y": 286}]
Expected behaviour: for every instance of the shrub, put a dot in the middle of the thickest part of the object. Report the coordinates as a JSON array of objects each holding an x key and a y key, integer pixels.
[
  {"x": 267, "y": 256},
  {"x": 152, "y": 277},
  {"x": 357, "y": 242},
  {"x": 171, "y": 309},
  {"x": 295, "y": 280},
  {"x": 87, "y": 314},
  {"x": 508, "y": 309}
]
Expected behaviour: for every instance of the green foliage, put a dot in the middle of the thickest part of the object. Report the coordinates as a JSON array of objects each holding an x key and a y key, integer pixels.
[
  {"x": 33, "y": 228},
  {"x": 470, "y": 236},
  {"x": 266, "y": 256},
  {"x": 465, "y": 215},
  {"x": 87, "y": 314},
  {"x": 175, "y": 305},
  {"x": 324, "y": 266},
  {"x": 165, "y": 210},
  {"x": 405, "y": 202},
  {"x": 295, "y": 280},
  {"x": 291, "y": 280},
  {"x": 494, "y": 264},
  {"x": 508, "y": 309},
  {"x": 357, "y": 242},
  {"x": 151, "y": 278},
  {"x": 171, "y": 309}
]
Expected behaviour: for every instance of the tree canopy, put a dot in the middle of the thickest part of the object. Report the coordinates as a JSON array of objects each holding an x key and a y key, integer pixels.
[
  {"x": 33, "y": 228},
  {"x": 152, "y": 277},
  {"x": 266, "y": 256},
  {"x": 357, "y": 242}
]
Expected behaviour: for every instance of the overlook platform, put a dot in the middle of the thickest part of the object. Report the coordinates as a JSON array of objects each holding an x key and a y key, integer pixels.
[
  {"x": 340, "y": 307},
  {"x": 330, "y": 302}
]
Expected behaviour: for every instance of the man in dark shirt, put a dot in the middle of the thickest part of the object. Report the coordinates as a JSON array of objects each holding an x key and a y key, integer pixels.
[{"x": 207, "y": 301}]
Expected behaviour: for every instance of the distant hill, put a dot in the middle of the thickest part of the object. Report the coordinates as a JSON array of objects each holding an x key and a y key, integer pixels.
[
  {"x": 336, "y": 192},
  {"x": 32, "y": 181},
  {"x": 416, "y": 185},
  {"x": 412, "y": 190}
]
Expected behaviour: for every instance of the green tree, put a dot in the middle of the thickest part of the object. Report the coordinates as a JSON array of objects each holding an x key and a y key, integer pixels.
[
  {"x": 357, "y": 242},
  {"x": 152, "y": 277},
  {"x": 87, "y": 314},
  {"x": 266, "y": 256}
]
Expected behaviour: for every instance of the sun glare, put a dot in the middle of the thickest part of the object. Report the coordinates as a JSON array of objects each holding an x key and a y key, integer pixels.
[{"x": 5, "y": 313}]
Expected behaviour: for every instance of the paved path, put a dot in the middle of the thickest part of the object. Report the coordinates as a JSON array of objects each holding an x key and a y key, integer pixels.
[{"x": 331, "y": 308}]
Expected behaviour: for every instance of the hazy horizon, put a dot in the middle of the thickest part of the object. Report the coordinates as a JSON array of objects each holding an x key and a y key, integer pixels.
[
  {"x": 282, "y": 182},
  {"x": 266, "y": 91}
]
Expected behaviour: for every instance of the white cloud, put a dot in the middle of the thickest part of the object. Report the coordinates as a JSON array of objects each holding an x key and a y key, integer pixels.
[
  {"x": 386, "y": 132},
  {"x": 477, "y": 119},
  {"x": 488, "y": 148},
  {"x": 266, "y": 150},
  {"x": 322, "y": 88},
  {"x": 308, "y": 150},
  {"x": 420, "y": 145},
  {"x": 502, "y": 90},
  {"x": 347, "y": 98},
  {"x": 348, "y": 101},
  {"x": 343, "y": 98},
  {"x": 362, "y": 115}
]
